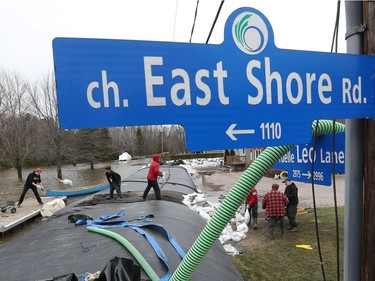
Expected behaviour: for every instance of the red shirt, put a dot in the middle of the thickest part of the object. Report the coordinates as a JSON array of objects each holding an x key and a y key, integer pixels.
[
  {"x": 274, "y": 202},
  {"x": 154, "y": 171},
  {"x": 252, "y": 197}
]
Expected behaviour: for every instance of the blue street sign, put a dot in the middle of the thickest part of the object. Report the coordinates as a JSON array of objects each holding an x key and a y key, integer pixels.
[
  {"x": 242, "y": 93},
  {"x": 298, "y": 161}
]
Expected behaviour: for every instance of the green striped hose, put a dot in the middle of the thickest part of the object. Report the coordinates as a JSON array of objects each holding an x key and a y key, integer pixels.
[
  {"x": 136, "y": 254},
  {"x": 236, "y": 196}
]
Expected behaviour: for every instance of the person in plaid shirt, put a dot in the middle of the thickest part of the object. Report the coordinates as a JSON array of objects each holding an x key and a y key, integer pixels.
[{"x": 274, "y": 203}]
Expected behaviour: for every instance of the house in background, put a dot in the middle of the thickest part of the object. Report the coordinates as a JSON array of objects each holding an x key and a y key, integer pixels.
[{"x": 124, "y": 157}]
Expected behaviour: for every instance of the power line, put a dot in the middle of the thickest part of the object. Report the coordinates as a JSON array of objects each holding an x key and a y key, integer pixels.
[
  {"x": 195, "y": 18},
  {"x": 175, "y": 20},
  {"x": 214, "y": 23}
]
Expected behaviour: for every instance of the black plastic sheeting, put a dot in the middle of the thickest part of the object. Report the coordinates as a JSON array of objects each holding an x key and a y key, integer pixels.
[
  {"x": 117, "y": 269},
  {"x": 59, "y": 248},
  {"x": 176, "y": 179},
  {"x": 177, "y": 183}
]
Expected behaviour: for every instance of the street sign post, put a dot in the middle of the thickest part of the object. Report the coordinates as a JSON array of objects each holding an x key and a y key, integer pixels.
[
  {"x": 242, "y": 93},
  {"x": 326, "y": 158}
]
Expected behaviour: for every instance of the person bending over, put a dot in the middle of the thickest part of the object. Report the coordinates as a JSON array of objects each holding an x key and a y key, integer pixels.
[
  {"x": 33, "y": 181},
  {"x": 114, "y": 180}
]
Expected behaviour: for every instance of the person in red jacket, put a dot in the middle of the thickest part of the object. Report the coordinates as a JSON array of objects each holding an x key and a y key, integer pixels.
[
  {"x": 152, "y": 178},
  {"x": 252, "y": 206}
]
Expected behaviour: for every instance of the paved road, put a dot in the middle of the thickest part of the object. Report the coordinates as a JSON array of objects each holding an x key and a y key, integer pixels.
[{"x": 220, "y": 183}]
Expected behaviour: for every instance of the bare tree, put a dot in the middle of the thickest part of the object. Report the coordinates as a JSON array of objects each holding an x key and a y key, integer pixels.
[
  {"x": 176, "y": 139},
  {"x": 123, "y": 139},
  {"x": 56, "y": 141},
  {"x": 16, "y": 123}
]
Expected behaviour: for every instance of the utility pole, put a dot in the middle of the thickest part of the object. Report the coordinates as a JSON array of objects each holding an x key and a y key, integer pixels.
[
  {"x": 368, "y": 248},
  {"x": 354, "y": 151}
]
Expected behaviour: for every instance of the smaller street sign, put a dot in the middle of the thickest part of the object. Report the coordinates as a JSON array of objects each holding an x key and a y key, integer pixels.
[{"x": 299, "y": 161}]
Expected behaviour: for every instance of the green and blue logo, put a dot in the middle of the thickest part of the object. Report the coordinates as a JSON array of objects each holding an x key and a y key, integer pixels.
[{"x": 250, "y": 33}]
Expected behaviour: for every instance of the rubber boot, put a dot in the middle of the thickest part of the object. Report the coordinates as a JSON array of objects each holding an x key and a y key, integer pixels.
[
  {"x": 283, "y": 233},
  {"x": 255, "y": 223},
  {"x": 271, "y": 233}
]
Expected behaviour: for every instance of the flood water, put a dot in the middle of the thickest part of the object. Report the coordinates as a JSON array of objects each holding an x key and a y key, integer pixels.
[{"x": 81, "y": 175}]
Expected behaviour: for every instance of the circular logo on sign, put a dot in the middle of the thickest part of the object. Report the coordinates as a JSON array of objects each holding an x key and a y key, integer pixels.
[{"x": 250, "y": 33}]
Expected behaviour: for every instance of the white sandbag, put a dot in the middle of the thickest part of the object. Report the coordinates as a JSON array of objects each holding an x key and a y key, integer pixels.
[
  {"x": 241, "y": 235},
  {"x": 225, "y": 238},
  {"x": 186, "y": 203},
  {"x": 227, "y": 230},
  {"x": 204, "y": 215},
  {"x": 243, "y": 228},
  {"x": 186, "y": 197},
  {"x": 51, "y": 207},
  {"x": 235, "y": 237},
  {"x": 199, "y": 201},
  {"x": 66, "y": 181},
  {"x": 197, "y": 208},
  {"x": 239, "y": 217},
  {"x": 238, "y": 236},
  {"x": 247, "y": 216},
  {"x": 209, "y": 210},
  {"x": 215, "y": 205},
  {"x": 231, "y": 250},
  {"x": 191, "y": 196}
]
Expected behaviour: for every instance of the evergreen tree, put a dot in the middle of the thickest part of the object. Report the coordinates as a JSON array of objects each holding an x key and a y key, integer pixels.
[
  {"x": 92, "y": 145},
  {"x": 139, "y": 143}
]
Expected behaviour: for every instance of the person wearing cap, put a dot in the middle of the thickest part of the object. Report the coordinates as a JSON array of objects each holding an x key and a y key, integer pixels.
[
  {"x": 291, "y": 191},
  {"x": 114, "y": 180},
  {"x": 33, "y": 181}
]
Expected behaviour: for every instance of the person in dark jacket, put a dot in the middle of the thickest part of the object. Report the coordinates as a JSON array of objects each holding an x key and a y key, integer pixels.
[
  {"x": 114, "y": 180},
  {"x": 291, "y": 191},
  {"x": 152, "y": 178},
  {"x": 33, "y": 181}
]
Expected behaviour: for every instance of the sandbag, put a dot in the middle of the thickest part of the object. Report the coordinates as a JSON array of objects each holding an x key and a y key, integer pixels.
[
  {"x": 247, "y": 216},
  {"x": 51, "y": 207}
]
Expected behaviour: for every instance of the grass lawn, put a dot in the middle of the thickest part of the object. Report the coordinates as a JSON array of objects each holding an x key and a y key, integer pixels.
[{"x": 280, "y": 259}]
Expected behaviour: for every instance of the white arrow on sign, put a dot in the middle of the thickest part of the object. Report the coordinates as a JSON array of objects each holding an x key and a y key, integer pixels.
[
  {"x": 308, "y": 175},
  {"x": 231, "y": 132}
]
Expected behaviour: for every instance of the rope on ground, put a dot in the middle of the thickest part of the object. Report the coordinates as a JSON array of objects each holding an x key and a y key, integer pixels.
[{"x": 92, "y": 276}]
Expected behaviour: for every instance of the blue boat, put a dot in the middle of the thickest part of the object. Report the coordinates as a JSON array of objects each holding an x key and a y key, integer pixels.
[{"x": 75, "y": 191}]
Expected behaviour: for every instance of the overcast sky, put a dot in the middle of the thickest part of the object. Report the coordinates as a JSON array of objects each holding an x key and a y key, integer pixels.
[{"x": 29, "y": 26}]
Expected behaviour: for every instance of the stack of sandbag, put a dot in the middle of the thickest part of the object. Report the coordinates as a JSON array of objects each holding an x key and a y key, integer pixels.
[{"x": 235, "y": 230}]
